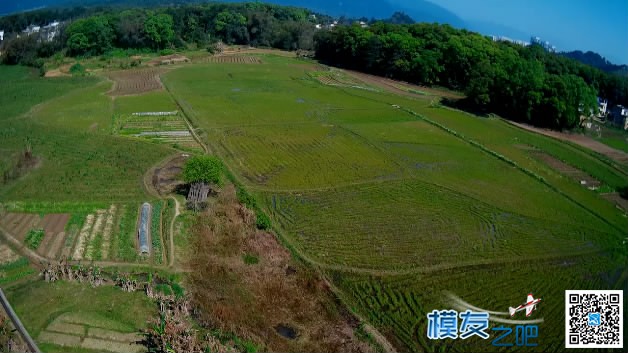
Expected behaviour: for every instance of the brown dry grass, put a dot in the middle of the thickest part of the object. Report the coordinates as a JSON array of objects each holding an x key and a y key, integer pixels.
[{"x": 250, "y": 300}]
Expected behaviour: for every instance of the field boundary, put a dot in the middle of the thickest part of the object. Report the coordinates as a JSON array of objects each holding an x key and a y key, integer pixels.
[
  {"x": 513, "y": 164},
  {"x": 609, "y": 161},
  {"x": 185, "y": 117}
]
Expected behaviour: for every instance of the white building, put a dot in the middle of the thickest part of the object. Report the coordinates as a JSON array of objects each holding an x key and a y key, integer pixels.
[
  {"x": 509, "y": 40},
  {"x": 31, "y": 29},
  {"x": 1, "y": 36},
  {"x": 620, "y": 116},
  {"x": 602, "y": 106},
  {"x": 50, "y": 31}
]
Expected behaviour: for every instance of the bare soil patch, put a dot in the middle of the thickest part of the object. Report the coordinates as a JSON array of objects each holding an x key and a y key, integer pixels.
[
  {"x": 574, "y": 173},
  {"x": 166, "y": 178},
  {"x": 61, "y": 71},
  {"x": 7, "y": 255},
  {"x": 113, "y": 335},
  {"x": 617, "y": 200},
  {"x": 55, "y": 222},
  {"x": 255, "y": 299},
  {"x": 233, "y": 50},
  {"x": 60, "y": 339},
  {"x": 581, "y": 140},
  {"x": 169, "y": 60},
  {"x": 18, "y": 224},
  {"x": 137, "y": 81},
  {"x": 402, "y": 88},
  {"x": 111, "y": 346}
]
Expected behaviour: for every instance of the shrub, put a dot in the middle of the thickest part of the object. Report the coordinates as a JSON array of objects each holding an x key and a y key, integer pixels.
[
  {"x": 178, "y": 291},
  {"x": 77, "y": 70},
  {"x": 34, "y": 238},
  {"x": 166, "y": 52},
  {"x": 163, "y": 288},
  {"x": 263, "y": 221},
  {"x": 250, "y": 259}
]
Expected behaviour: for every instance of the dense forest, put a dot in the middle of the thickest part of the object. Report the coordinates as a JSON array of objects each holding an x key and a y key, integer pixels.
[{"x": 520, "y": 83}]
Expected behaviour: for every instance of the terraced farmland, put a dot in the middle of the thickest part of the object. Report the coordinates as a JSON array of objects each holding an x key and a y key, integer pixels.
[
  {"x": 399, "y": 199},
  {"x": 135, "y": 81}
]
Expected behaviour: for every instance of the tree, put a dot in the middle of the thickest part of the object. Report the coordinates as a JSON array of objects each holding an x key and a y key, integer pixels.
[
  {"x": 78, "y": 44},
  {"x": 206, "y": 169},
  {"x": 159, "y": 30},
  {"x": 97, "y": 35}
]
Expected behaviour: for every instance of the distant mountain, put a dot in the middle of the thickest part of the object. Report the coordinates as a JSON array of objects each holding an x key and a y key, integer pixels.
[
  {"x": 418, "y": 10},
  {"x": 8, "y": 7},
  {"x": 400, "y": 18},
  {"x": 596, "y": 60}
]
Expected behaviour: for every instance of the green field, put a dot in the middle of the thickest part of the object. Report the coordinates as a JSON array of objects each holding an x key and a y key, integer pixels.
[
  {"x": 412, "y": 201},
  {"x": 396, "y": 199},
  {"x": 63, "y": 312}
]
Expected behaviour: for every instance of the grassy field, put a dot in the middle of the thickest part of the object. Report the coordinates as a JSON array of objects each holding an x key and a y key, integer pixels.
[
  {"x": 80, "y": 159},
  {"x": 68, "y": 313},
  {"x": 396, "y": 199},
  {"x": 410, "y": 201}
]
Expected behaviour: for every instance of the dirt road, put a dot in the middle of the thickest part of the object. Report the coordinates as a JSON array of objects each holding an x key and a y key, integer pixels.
[{"x": 580, "y": 140}]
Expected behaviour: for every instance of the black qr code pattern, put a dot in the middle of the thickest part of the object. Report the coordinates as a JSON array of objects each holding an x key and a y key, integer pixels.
[{"x": 593, "y": 319}]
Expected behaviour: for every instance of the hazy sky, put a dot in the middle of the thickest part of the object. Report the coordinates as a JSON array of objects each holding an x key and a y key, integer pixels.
[{"x": 597, "y": 25}]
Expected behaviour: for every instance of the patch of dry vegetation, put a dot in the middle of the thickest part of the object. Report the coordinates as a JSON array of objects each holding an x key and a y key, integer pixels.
[{"x": 252, "y": 298}]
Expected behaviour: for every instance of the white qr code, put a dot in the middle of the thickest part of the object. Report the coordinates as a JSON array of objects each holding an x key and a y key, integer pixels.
[{"x": 594, "y": 319}]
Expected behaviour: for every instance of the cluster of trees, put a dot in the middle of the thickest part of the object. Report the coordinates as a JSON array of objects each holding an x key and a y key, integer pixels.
[
  {"x": 521, "y": 83},
  {"x": 103, "y": 29}
]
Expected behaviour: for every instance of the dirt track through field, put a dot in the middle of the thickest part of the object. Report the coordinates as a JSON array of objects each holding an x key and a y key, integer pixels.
[
  {"x": 580, "y": 140},
  {"x": 401, "y": 88}
]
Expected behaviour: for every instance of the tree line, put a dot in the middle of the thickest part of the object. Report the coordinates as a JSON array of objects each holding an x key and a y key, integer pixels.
[
  {"x": 521, "y": 83},
  {"x": 96, "y": 31}
]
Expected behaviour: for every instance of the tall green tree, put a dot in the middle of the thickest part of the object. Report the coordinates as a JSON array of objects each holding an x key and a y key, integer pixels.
[{"x": 159, "y": 30}]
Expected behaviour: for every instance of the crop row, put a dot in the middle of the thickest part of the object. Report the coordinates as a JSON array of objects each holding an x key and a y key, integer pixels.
[
  {"x": 400, "y": 304},
  {"x": 156, "y": 233},
  {"x": 401, "y": 224}
]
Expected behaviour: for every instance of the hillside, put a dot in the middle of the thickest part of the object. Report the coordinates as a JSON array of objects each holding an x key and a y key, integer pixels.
[{"x": 597, "y": 61}]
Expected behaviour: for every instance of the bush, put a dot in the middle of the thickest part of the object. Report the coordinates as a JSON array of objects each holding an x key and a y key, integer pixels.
[
  {"x": 250, "y": 259},
  {"x": 178, "y": 291},
  {"x": 166, "y": 52},
  {"x": 263, "y": 221},
  {"x": 623, "y": 192},
  {"x": 163, "y": 288},
  {"x": 77, "y": 70},
  {"x": 34, "y": 238}
]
